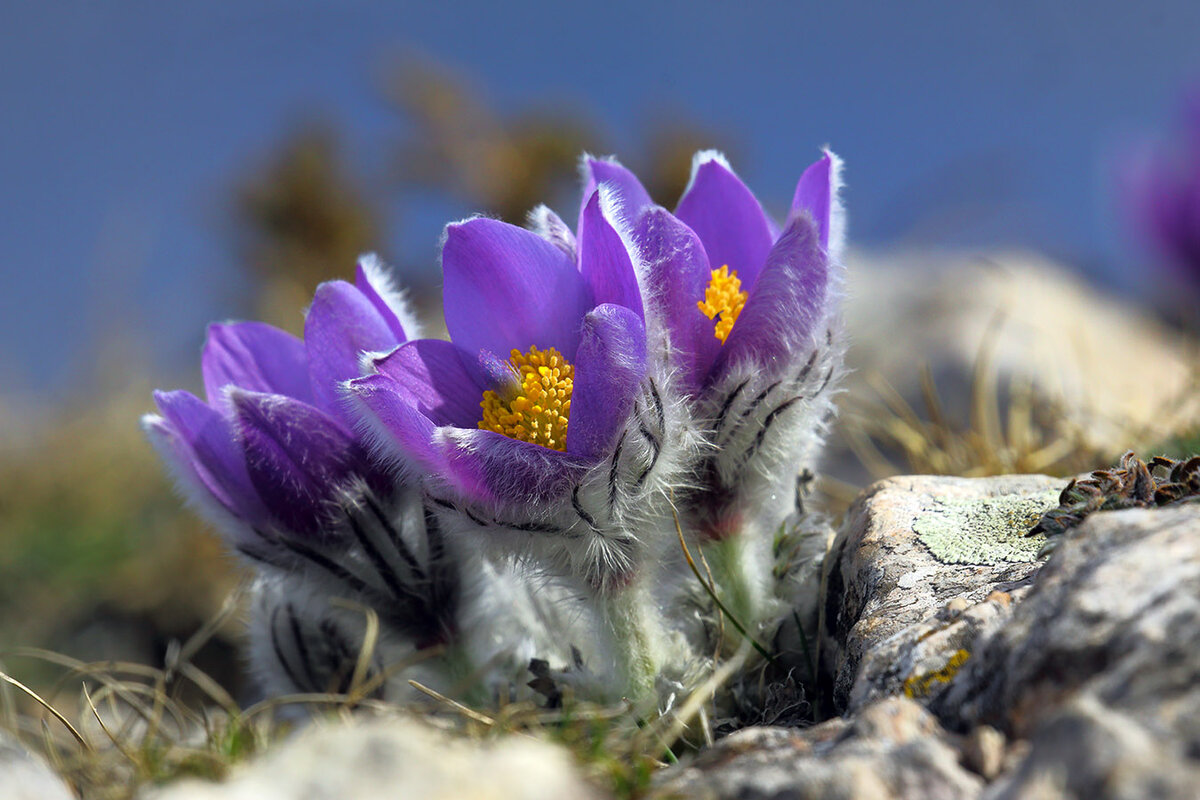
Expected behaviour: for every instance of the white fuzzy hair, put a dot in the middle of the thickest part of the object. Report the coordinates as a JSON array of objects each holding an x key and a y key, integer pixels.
[
  {"x": 837, "y": 212},
  {"x": 381, "y": 278},
  {"x": 550, "y": 226},
  {"x": 699, "y": 159}
]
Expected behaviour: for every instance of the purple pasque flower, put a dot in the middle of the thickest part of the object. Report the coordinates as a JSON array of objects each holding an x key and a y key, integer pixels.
[
  {"x": 1162, "y": 188},
  {"x": 271, "y": 456},
  {"x": 748, "y": 309},
  {"x": 273, "y": 444},
  {"x": 542, "y": 417}
]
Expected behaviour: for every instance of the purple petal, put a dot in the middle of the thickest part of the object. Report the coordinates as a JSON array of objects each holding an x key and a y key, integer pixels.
[
  {"x": 296, "y": 455},
  {"x": 206, "y": 439},
  {"x": 486, "y": 466},
  {"x": 609, "y": 365},
  {"x": 506, "y": 288},
  {"x": 814, "y": 194},
  {"x": 677, "y": 274},
  {"x": 181, "y": 463},
  {"x": 254, "y": 356},
  {"x": 631, "y": 196},
  {"x": 390, "y": 420},
  {"x": 431, "y": 374},
  {"x": 342, "y": 324},
  {"x": 372, "y": 280},
  {"x": 604, "y": 259},
  {"x": 787, "y": 302},
  {"x": 728, "y": 219}
]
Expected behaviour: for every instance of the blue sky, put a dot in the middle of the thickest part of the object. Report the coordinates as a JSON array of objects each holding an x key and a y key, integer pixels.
[{"x": 127, "y": 123}]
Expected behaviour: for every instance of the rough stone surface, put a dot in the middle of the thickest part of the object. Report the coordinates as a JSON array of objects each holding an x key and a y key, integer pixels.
[
  {"x": 1099, "y": 665},
  {"x": 395, "y": 758},
  {"x": 24, "y": 776},
  {"x": 894, "y": 749},
  {"x": 923, "y": 565}
]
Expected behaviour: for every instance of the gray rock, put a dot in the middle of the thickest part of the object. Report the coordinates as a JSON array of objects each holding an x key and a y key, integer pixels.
[
  {"x": 24, "y": 776},
  {"x": 1099, "y": 665},
  {"x": 893, "y": 749},
  {"x": 395, "y": 757},
  {"x": 922, "y": 566},
  {"x": 1084, "y": 749}
]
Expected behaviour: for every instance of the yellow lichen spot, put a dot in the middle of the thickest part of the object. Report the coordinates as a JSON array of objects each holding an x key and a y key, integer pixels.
[
  {"x": 921, "y": 685},
  {"x": 538, "y": 406},
  {"x": 723, "y": 300}
]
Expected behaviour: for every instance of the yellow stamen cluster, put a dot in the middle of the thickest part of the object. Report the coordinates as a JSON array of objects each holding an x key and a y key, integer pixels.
[
  {"x": 723, "y": 300},
  {"x": 537, "y": 409}
]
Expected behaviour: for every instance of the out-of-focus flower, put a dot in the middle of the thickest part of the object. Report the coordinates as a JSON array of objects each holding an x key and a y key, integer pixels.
[
  {"x": 1162, "y": 188},
  {"x": 273, "y": 445},
  {"x": 273, "y": 460}
]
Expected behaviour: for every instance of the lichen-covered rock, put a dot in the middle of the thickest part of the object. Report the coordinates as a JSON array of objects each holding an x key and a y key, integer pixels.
[
  {"x": 24, "y": 776},
  {"x": 396, "y": 758},
  {"x": 922, "y": 566},
  {"x": 893, "y": 749},
  {"x": 1099, "y": 665}
]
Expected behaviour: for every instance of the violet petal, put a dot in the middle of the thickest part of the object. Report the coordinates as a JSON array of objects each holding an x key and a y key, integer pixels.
[
  {"x": 787, "y": 302},
  {"x": 342, "y": 324},
  {"x": 297, "y": 457},
  {"x": 814, "y": 194},
  {"x": 548, "y": 225},
  {"x": 431, "y": 373},
  {"x": 486, "y": 466},
  {"x": 506, "y": 288},
  {"x": 216, "y": 458},
  {"x": 728, "y": 219},
  {"x": 677, "y": 274},
  {"x": 604, "y": 259},
  {"x": 254, "y": 356},
  {"x": 609, "y": 365},
  {"x": 372, "y": 280},
  {"x": 390, "y": 421},
  {"x": 631, "y": 196}
]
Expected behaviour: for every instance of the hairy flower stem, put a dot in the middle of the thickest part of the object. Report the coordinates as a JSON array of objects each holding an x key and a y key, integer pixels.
[
  {"x": 629, "y": 616},
  {"x": 738, "y": 578}
]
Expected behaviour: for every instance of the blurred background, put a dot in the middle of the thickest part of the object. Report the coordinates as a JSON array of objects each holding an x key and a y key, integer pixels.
[{"x": 1023, "y": 188}]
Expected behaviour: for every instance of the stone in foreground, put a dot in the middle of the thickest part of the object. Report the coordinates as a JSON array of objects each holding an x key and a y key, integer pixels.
[
  {"x": 922, "y": 566},
  {"x": 396, "y": 758}
]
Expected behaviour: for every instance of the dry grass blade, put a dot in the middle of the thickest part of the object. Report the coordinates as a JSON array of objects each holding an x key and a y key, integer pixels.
[
  {"x": 695, "y": 701},
  {"x": 4, "y": 676},
  {"x": 1010, "y": 430},
  {"x": 469, "y": 713}
]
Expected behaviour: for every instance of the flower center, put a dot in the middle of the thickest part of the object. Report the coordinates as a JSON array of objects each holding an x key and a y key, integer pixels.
[
  {"x": 536, "y": 407},
  {"x": 723, "y": 300}
]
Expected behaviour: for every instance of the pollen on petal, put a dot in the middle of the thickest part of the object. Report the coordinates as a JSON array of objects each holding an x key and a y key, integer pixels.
[
  {"x": 536, "y": 410},
  {"x": 723, "y": 301}
]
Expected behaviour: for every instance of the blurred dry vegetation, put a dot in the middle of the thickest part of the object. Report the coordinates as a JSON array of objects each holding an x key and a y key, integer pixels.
[{"x": 99, "y": 559}]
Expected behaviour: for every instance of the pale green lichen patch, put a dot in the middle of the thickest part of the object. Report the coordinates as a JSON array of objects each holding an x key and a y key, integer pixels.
[{"x": 984, "y": 530}]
